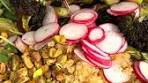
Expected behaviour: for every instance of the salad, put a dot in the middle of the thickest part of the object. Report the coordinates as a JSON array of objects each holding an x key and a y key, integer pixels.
[{"x": 73, "y": 41}]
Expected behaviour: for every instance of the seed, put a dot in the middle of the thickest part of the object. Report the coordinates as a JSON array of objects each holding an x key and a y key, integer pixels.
[
  {"x": 2, "y": 68},
  {"x": 27, "y": 61},
  {"x": 36, "y": 56}
]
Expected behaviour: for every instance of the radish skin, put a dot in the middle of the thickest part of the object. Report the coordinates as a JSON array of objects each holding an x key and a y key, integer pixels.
[
  {"x": 93, "y": 47},
  {"x": 124, "y": 8},
  {"x": 81, "y": 55},
  {"x": 106, "y": 61}
]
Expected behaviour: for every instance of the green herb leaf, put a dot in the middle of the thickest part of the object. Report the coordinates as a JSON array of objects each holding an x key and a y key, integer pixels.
[
  {"x": 4, "y": 58},
  {"x": 7, "y": 5},
  {"x": 10, "y": 48}
]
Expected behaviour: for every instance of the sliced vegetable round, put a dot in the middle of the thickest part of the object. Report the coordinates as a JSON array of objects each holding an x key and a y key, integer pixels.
[
  {"x": 20, "y": 45},
  {"x": 114, "y": 74},
  {"x": 84, "y": 16},
  {"x": 50, "y": 16},
  {"x": 40, "y": 45},
  {"x": 28, "y": 38},
  {"x": 112, "y": 42},
  {"x": 124, "y": 47},
  {"x": 96, "y": 35},
  {"x": 109, "y": 27},
  {"x": 74, "y": 8},
  {"x": 140, "y": 68},
  {"x": 81, "y": 55},
  {"x": 93, "y": 48},
  {"x": 105, "y": 61},
  {"x": 73, "y": 31},
  {"x": 46, "y": 32},
  {"x": 124, "y": 7},
  {"x": 97, "y": 63}
]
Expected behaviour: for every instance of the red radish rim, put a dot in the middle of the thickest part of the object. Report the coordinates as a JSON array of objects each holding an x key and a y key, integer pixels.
[
  {"x": 95, "y": 15},
  {"x": 98, "y": 46},
  {"x": 49, "y": 35},
  {"x": 112, "y": 13},
  {"x": 91, "y": 26},
  {"x": 96, "y": 40},
  {"x": 99, "y": 58},
  {"x": 96, "y": 63},
  {"x": 108, "y": 79},
  {"x": 138, "y": 72},
  {"x": 141, "y": 65},
  {"x": 121, "y": 50},
  {"x": 73, "y": 39},
  {"x": 71, "y": 42},
  {"x": 92, "y": 53},
  {"x": 123, "y": 11},
  {"x": 93, "y": 47},
  {"x": 83, "y": 56}
]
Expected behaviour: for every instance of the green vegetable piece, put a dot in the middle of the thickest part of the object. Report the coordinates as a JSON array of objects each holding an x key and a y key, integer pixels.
[
  {"x": 4, "y": 58},
  {"x": 9, "y": 15},
  {"x": 61, "y": 11},
  {"x": 10, "y": 48},
  {"x": 25, "y": 20},
  {"x": 145, "y": 56},
  {"x": 111, "y": 2},
  {"x": 7, "y": 5},
  {"x": 7, "y": 41},
  {"x": 134, "y": 53},
  {"x": 8, "y": 25},
  {"x": 38, "y": 73}
]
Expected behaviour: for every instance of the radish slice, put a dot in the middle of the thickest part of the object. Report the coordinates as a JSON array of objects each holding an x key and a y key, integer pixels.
[
  {"x": 50, "y": 16},
  {"x": 143, "y": 66},
  {"x": 115, "y": 74},
  {"x": 81, "y": 55},
  {"x": 114, "y": 14},
  {"x": 97, "y": 63},
  {"x": 111, "y": 44},
  {"x": 96, "y": 35},
  {"x": 93, "y": 25},
  {"x": 74, "y": 8},
  {"x": 124, "y": 7},
  {"x": 84, "y": 16},
  {"x": 13, "y": 38},
  {"x": 20, "y": 45},
  {"x": 40, "y": 45},
  {"x": 123, "y": 48},
  {"x": 71, "y": 42},
  {"x": 104, "y": 60},
  {"x": 109, "y": 27},
  {"x": 28, "y": 38},
  {"x": 73, "y": 31},
  {"x": 93, "y": 48},
  {"x": 140, "y": 68},
  {"x": 95, "y": 55},
  {"x": 46, "y": 32}
]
